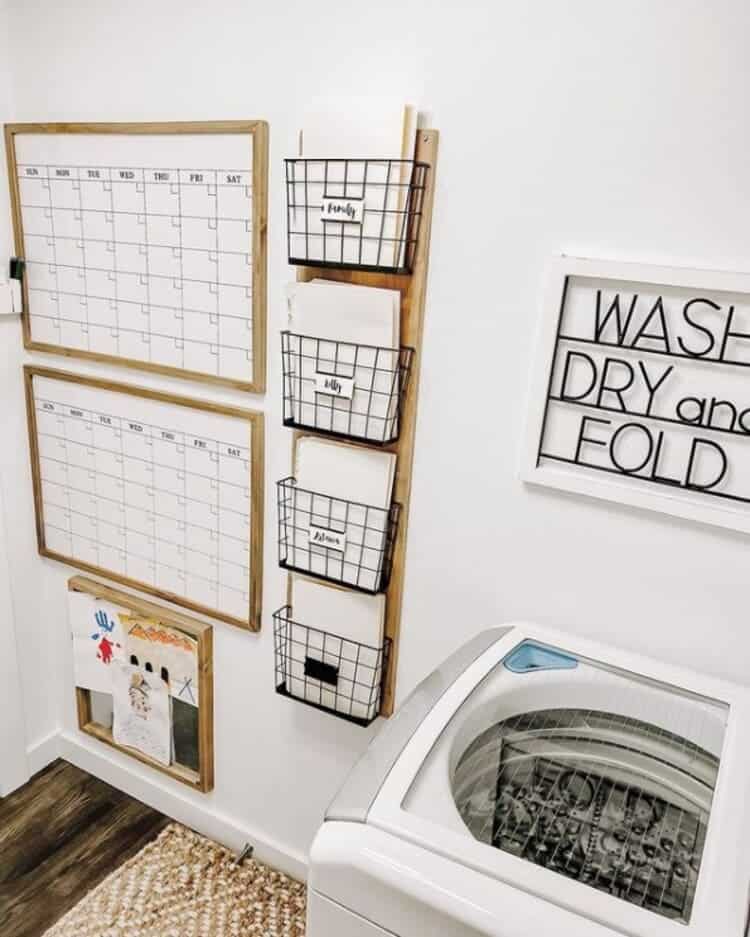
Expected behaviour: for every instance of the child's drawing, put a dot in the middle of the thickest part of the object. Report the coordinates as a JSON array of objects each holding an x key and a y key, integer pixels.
[
  {"x": 98, "y": 640},
  {"x": 165, "y": 651},
  {"x": 139, "y": 696},
  {"x": 142, "y": 717}
]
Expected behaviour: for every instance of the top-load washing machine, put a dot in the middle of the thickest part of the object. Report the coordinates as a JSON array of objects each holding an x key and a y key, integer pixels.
[{"x": 538, "y": 783}]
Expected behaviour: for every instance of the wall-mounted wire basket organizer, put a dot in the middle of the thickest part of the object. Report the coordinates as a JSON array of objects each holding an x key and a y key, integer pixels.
[
  {"x": 327, "y": 671},
  {"x": 346, "y": 390},
  {"x": 363, "y": 214},
  {"x": 365, "y": 222},
  {"x": 336, "y": 540}
]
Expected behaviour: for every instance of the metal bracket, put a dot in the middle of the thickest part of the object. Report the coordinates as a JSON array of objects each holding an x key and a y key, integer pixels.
[
  {"x": 17, "y": 268},
  {"x": 247, "y": 853}
]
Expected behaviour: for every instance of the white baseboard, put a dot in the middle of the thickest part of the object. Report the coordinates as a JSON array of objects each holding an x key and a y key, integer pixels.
[
  {"x": 41, "y": 753},
  {"x": 135, "y": 780}
]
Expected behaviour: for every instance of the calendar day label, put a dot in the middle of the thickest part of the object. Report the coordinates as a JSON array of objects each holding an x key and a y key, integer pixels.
[
  {"x": 333, "y": 385},
  {"x": 327, "y": 538},
  {"x": 347, "y": 210}
]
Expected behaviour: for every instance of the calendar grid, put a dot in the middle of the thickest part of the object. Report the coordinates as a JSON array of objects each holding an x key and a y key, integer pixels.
[
  {"x": 151, "y": 464},
  {"x": 124, "y": 243},
  {"x": 133, "y": 458},
  {"x": 54, "y": 242},
  {"x": 145, "y": 310},
  {"x": 88, "y": 218},
  {"x": 82, "y": 272},
  {"x": 198, "y": 312},
  {"x": 181, "y": 343},
  {"x": 115, "y": 305},
  {"x": 132, "y": 535}
]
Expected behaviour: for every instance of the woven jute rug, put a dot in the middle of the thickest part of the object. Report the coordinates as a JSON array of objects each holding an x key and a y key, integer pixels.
[{"x": 182, "y": 885}]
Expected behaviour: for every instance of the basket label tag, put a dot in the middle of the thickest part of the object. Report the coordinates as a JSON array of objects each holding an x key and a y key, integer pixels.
[
  {"x": 347, "y": 210},
  {"x": 319, "y": 670},
  {"x": 334, "y": 385},
  {"x": 326, "y": 538}
]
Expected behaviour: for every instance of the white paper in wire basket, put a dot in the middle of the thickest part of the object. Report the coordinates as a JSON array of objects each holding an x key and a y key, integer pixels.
[{"x": 355, "y": 617}]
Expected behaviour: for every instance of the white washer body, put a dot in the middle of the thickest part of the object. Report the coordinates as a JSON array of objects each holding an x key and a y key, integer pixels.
[{"x": 395, "y": 857}]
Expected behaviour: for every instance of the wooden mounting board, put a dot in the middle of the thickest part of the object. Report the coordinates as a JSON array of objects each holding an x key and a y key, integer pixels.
[
  {"x": 258, "y": 131},
  {"x": 203, "y": 779},
  {"x": 251, "y": 452},
  {"x": 413, "y": 290}
]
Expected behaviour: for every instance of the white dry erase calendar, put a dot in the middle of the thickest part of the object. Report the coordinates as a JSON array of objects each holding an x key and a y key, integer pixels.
[
  {"x": 144, "y": 244},
  {"x": 159, "y": 492},
  {"x": 640, "y": 393}
]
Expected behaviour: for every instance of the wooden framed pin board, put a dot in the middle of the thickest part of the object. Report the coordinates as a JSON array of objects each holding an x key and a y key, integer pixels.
[
  {"x": 132, "y": 657},
  {"x": 144, "y": 244},
  {"x": 153, "y": 490},
  {"x": 395, "y": 258},
  {"x": 639, "y": 391}
]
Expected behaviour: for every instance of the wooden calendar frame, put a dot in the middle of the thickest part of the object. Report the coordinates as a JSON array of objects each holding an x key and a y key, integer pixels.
[
  {"x": 203, "y": 779},
  {"x": 255, "y": 420},
  {"x": 258, "y": 129}
]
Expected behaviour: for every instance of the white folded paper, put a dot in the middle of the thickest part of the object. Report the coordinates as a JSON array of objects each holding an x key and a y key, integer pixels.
[
  {"x": 338, "y": 516},
  {"x": 350, "y": 333},
  {"x": 345, "y": 312},
  {"x": 353, "y": 473},
  {"x": 343, "y": 630},
  {"x": 361, "y": 128},
  {"x": 379, "y": 131}
]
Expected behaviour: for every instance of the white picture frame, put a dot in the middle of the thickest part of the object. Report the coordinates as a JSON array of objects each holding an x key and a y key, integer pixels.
[{"x": 621, "y": 487}]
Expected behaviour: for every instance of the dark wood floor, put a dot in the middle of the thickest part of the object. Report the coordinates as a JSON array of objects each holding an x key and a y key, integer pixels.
[{"x": 60, "y": 835}]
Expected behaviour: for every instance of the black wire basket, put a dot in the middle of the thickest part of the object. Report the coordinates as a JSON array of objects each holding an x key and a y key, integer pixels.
[
  {"x": 344, "y": 389},
  {"x": 363, "y": 214},
  {"x": 334, "y": 539},
  {"x": 328, "y": 672}
]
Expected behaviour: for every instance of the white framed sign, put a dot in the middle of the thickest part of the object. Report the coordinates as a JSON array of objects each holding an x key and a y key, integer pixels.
[{"x": 641, "y": 389}]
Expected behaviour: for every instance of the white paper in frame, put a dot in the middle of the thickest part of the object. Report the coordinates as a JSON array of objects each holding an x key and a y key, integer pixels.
[{"x": 639, "y": 392}]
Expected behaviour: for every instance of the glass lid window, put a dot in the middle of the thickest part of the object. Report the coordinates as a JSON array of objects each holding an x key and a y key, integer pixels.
[{"x": 616, "y": 803}]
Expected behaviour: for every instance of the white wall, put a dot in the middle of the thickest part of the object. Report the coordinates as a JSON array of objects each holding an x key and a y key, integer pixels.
[
  {"x": 615, "y": 129},
  {"x": 14, "y": 766}
]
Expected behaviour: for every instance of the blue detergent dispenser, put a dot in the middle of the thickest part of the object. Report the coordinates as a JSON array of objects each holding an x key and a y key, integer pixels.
[{"x": 530, "y": 656}]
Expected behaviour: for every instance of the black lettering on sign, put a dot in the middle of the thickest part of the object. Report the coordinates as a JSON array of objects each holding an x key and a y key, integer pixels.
[
  {"x": 199, "y": 443},
  {"x": 196, "y": 177},
  {"x": 166, "y": 435},
  {"x": 683, "y": 422},
  {"x": 232, "y": 451},
  {"x": 161, "y": 176},
  {"x": 48, "y": 406},
  {"x": 136, "y": 427},
  {"x": 233, "y": 179},
  {"x": 62, "y": 172},
  {"x": 127, "y": 174},
  {"x": 74, "y": 412},
  {"x": 709, "y": 339},
  {"x": 31, "y": 171},
  {"x": 107, "y": 420},
  {"x": 645, "y": 451},
  {"x": 93, "y": 174}
]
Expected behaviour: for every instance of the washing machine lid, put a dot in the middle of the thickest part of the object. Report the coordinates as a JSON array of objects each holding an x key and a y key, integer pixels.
[{"x": 605, "y": 783}]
